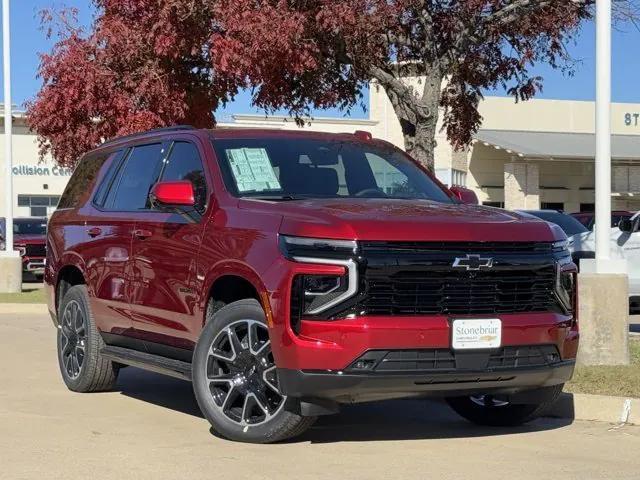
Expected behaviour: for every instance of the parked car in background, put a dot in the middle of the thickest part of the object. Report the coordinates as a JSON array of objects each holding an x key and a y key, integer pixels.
[
  {"x": 570, "y": 225},
  {"x": 287, "y": 273},
  {"x": 30, "y": 239},
  {"x": 465, "y": 195},
  {"x": 625, "y": 243},
  {"x": 588, "y": 218}
]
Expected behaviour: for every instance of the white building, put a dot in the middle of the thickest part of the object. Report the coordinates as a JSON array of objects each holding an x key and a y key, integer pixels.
[{"x": 535, "y": 154}]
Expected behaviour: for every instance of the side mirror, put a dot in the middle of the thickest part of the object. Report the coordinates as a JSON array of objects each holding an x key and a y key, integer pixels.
[
  {"x": 626, "y": 225},
  {"x": 176, "y": 197},
  {"x": 172, "y": 195},
  {"x": 465, "y": 195}
]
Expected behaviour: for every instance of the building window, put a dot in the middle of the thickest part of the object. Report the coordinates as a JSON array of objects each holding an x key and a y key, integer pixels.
[
  {"x": 587, "y": 207},
  {"x": 458, "y": 178},
  {"x": 493, "y": 204},
  {"x": 39, "y": 205},
  {"x": 559, "y": 206}
]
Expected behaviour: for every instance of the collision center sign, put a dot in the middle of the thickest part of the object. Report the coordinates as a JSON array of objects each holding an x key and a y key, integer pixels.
[{"x": 31, "y": 171}]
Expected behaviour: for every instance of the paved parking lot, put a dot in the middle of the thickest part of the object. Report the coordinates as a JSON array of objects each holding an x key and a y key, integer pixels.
[{"x": 151, "y": 428}]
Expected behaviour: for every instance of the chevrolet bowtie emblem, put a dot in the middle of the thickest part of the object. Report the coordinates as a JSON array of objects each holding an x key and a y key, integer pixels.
[{"x": 473, "y": 262}]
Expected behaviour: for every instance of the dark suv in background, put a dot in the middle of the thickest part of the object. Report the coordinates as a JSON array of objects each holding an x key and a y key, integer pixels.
[
  {"x": 29, "y": 239},
  {"x": 287, "y": 273}
]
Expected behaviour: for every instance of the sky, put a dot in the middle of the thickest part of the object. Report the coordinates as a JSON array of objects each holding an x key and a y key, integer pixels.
[{"x": 27, "y": 40}]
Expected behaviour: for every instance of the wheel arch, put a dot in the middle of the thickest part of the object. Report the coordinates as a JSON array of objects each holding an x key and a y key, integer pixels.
[
  {"x": 233, "y": 284},
  {"x": 69, "y": 276}
]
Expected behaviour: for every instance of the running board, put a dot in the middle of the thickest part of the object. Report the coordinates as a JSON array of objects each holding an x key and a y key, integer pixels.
[{"x": 148, "y": 361}]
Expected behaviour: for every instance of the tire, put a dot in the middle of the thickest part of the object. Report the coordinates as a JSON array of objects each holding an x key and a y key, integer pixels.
[
  {"x": 236, "y": 384},
  {"x": 82, "y": 366},
  {"x": 500, "y": 413}
]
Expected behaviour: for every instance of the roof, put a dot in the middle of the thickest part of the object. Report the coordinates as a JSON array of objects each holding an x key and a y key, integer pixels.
[{"x": 558, "y": 144}]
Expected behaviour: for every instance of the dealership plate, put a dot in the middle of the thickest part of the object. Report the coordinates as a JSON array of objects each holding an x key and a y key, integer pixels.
[{"x": 476, "y": 334}]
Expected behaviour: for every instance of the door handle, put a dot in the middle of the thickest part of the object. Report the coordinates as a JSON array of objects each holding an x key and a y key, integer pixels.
[
  {"x": 142, "y": 234},
  {"x": 94, "y": 232}
]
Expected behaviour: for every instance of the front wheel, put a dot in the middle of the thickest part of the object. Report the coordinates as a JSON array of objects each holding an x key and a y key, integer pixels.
[
  {"x": 498, "y": 411},
  {"x": 235, "y": 379}
]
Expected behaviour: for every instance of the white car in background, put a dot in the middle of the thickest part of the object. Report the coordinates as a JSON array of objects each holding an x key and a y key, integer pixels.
[{"x": 625, "y": 244}]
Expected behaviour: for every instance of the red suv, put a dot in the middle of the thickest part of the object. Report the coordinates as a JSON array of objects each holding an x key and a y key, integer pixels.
[
  {"x": 29, "y": 235},
  {"x": 287, "y": 273}
]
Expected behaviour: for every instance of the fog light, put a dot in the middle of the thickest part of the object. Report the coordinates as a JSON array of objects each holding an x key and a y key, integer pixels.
[{"x": 364, "y": 365}]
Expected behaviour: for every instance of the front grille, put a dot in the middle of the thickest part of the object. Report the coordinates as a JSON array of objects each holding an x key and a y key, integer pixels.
[
  {"x": 394, "y": 248},
  {"x": 36, "y": 250},
  {"x": 425, "y": 360},
  {"x": 458, "y": 291}
]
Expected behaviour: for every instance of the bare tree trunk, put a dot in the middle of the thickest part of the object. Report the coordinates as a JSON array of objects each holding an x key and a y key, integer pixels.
[{"x": 418, "y": 114}]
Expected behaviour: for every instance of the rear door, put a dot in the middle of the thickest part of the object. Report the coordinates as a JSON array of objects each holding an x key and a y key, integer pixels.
[
  {"x": 120, "y": 197},
  {"x": 165, "y": 247}
]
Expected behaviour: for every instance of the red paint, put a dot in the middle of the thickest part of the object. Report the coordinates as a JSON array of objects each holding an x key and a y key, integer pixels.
[
  {"x": 465, "y": 195},
  {"x": 174, "y": 193},
  {"x": 150, "y": 273}
]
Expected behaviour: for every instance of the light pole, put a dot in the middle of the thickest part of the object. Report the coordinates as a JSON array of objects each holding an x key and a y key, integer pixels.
[
  {"x": 603, "y": 134},
  {"x": 10, "y": 263},
  {"x": 603, "y": 286}
]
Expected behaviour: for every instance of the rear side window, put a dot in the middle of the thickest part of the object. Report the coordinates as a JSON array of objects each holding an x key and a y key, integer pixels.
[
  {"x": 83, "y": 179},
  {"x": 184, "y": 163},
  {"x": 130, "y": 191}
]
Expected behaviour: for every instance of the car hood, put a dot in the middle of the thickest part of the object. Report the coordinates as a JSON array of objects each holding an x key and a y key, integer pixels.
[
  {"x": 404, "y": 220},
  {"x": 586, "y": 242}
]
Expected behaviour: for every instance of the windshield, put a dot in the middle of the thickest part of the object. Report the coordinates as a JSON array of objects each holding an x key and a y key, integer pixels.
[
  {"x": 30, "y": 227},
  {"x": 293, "y": 168},
  {"x": 570, "y": 225}
]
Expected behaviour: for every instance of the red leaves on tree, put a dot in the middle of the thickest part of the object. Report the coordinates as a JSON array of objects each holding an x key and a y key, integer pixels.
[
  {"x": 150, "y": 63},
  {"x": 144, "y": 64}
]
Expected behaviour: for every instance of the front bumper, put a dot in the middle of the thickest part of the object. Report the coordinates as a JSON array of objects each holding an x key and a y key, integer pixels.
[{"x": 353, "y": 388}]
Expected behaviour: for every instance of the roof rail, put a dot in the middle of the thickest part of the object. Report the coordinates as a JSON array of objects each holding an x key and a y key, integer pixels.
[{"x": 175, "y": 128}]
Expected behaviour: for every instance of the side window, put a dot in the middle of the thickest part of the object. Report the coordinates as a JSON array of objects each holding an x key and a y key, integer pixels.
[
  {"x": 82, "y": 180},
  {"x": 108, "y": 179},
  {"x": 131, "y": 189},
  {"x": 389, "y": 179},
  {"x": 184, "y": 163}
]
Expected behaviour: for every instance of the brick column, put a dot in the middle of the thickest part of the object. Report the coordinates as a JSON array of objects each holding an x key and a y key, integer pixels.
[{"x": 521, "y": 186}]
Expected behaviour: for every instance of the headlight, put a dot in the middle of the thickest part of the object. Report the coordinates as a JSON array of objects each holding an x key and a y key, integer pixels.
[
  {"x": 560, "y": 245},
  {"x": 312, "y": 294},
  {"x": 293, "y": 247},
  {"x": 21, "y": 249},
  {"x": 566, "y": 289}
]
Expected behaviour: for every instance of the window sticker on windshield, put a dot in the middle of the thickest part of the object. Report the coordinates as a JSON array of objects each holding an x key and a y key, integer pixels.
[{"x": 252, "y": 169}]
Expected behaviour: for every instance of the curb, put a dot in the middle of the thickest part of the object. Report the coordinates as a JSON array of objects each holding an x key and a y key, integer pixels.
[
  {"x": 28, "y": 308},
  {"x": 601, "y": 408}
]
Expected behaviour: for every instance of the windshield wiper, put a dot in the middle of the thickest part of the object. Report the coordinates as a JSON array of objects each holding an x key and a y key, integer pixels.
[{"x": 277, "y": 198}]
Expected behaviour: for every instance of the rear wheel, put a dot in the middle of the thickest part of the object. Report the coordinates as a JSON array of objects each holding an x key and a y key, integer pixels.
[
  {"x": 496, "y": 410},
  {"x": 235, "y": 380},
  {"x": 81, "y": 364}
]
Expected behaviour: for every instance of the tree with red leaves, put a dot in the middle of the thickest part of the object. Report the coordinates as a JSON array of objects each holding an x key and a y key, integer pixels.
[
  {"x": 142, "y": 64},
  {"x": 426, "y": 55},
  {"x": 149, "y": 63}
]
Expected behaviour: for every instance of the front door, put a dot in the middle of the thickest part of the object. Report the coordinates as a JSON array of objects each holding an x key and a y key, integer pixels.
[{"x": 165, "y": 248}]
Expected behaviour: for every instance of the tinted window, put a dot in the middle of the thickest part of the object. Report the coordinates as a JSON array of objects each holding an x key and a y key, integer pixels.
[
  {"x": 570, "y": 225},
  {"x": 131, "y": 189},
  {"x": 184, "y": 163},
  {"x": 290, "y": 168},
  {"x": 82, "y": 180},
  {"x": 109, "y": 178},
  {"x": 37, "y": 226}
]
